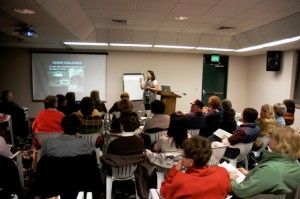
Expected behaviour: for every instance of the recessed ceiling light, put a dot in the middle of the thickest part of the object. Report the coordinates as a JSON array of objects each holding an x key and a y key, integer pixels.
[
  {"x": 181, "y": 18},
  {"x": 24, "y": 11}
]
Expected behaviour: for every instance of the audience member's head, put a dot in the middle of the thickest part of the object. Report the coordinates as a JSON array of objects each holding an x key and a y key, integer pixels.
[
  {"x": 87, "y": 106},
  {"x": 124, "y": 95},
  {"x": 290, "y": 105},
  {"x": 279, "y": 109},
  {"x": 214, "y": 102},
  {"x": 266, "y": 111},
  {"x": 50, "y": 101},
  {"x": 71, "y": 124},
  {"x": 196, "y": 152},
  {"x": 177, "y": 128},
  {"x": 284, "y": 139},
  {"x": 125, "y": 105},
  {"x": 249, "y": 115},
  {"x": 157, "y": 107},
  {"x": 61, "y": 100},
  {"x": 129, "y": 121},
  {"x": 70, "y": 96},
  {"x": 7, "y": 96},
  {"x": 196, "y": 106},
  {"x": 226, "y": 104},
  {"x": 95, "y": 95}
]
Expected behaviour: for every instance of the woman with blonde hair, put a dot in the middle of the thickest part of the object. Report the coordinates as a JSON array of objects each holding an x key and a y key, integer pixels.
[
  {"x": 279, "y": 111},
  {"x": 279, "y": 170},
  {"x": 266, "y": 123}
]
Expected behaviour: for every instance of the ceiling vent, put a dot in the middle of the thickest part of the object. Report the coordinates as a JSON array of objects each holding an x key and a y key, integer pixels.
[
  {"x": 226, "y": 28},
  {"x": 119, "y": 21}
]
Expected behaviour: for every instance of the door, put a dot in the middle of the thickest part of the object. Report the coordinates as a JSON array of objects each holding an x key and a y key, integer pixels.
[{"x": 214, "y": 81}]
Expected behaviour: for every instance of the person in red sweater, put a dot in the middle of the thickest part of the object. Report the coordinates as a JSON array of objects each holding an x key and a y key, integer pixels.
[
  {"x": 48, "y": 120},
  {"x": 199, "y": 180}
]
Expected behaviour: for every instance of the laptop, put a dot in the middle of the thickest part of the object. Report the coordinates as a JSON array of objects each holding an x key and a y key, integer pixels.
[{"x": 165, "y": 88}]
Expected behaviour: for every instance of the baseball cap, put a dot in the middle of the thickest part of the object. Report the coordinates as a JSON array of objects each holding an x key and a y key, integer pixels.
[{"x": 198, "y": 103}]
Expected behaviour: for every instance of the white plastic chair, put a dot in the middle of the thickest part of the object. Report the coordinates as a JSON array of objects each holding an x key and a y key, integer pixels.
[
  {"x": 19, "y": 164},
  {"x": 120, "y": 174},
  {"x": 265, "y": 140},
  {"x": 217, "y": 154},
  {"x": 42, "y": 137},
  {"x": 268, "y": 196},
  {"x": 91, "y": 140},
  {"x": 193, "y": 132},
  {"x": 154, "y": 194},
  {"x": 245, "y": 149},
  {"x": 155, "y": 136}
]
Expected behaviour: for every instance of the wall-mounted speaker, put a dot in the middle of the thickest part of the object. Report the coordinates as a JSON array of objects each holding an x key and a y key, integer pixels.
[{"x": 273, "y": 60}]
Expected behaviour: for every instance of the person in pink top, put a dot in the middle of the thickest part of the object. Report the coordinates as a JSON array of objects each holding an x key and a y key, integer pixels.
[
  {"x": 48, "y": 120},
  {"x": 199, "y": 180}
]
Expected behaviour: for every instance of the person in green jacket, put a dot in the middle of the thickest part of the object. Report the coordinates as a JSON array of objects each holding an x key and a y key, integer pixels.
[{"x": 279, "y": 170}]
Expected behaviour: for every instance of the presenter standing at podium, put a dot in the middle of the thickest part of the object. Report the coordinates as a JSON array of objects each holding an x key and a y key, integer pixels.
[{"x": 150, "y": 86}]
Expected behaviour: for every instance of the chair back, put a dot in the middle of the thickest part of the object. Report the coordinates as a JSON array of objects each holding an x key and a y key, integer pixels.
[
  {"x": 91, "y": 138},
  {"x": 193, "y": 132},
  {"x": 124, "y": 172},
  {"x": 154, "y": 194},
  {"x": 265, "y": 140},
  {"x": 155, "y": 136},
  {"x": 217, "y": 154},
  {"x": 19, "y": 164},
  {"x": 245, "y": 149},
  {"x": 117, "y": 114}
]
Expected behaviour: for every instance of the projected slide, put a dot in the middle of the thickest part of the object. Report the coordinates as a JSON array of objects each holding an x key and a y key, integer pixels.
[{"x": 54, "y": 73}]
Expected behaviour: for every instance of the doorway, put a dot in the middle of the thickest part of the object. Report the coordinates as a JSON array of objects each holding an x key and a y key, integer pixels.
[{"x": 214, "y": 81}]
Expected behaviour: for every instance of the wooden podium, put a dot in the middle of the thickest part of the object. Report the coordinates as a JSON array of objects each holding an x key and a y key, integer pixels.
[{"x": 169, "y": 99}]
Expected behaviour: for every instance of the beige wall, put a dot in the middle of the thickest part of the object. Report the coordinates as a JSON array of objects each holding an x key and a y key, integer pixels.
[{"x": 249, "y": 84}]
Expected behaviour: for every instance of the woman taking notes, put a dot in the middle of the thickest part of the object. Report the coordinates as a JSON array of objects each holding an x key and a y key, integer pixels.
[{"x": 150, "y": 86}]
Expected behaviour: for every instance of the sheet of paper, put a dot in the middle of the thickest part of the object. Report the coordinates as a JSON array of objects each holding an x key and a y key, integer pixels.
[
  {"x": 229, "y": 167},
  {"x": 222, "y": 134}
]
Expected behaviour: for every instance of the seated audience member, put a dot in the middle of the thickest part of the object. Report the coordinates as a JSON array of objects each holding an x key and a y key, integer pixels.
[
  {"x": 279, "y": 170},
  {"x": 87, "y": 108},
  {"x": 290, "y": 111},
  {"x": 72, "y": 105},
  {"x": 48, "y": 120},
  {"x": 90, "y": 120},
  {"x": 10, "y": 107},
  {"x": 195, "y": 119},
  {"x": 128, "y": 149},
  {"x": 115, "y": 107},
  {"x": 68, "y": 144},
  {"x": 245, "y": 133},
  {"x": 265, "y": 123},
  {"x": 99, "y": 105},
  {"x": 176, "y": 133},
  {"x": 279, "y": 111},
  {"x": 123, "y": 105},
  {"x": 159, "y": 120},
  {"x": 62, "y": 104},
  {"x": 199, "y": 180},
  {"x": 127, "y": 143},
  {"x": 213, "y": 117},
  {"x": 67, "y": 165},
  {"x": 228, "y": 122}
]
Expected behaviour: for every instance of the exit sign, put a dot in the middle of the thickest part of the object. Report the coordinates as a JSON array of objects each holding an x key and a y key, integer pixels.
[{"x": 215, "y": 58}]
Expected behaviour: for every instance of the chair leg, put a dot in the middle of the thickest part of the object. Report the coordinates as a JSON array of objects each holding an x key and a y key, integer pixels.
[
  {"x": 136, "y": 193},
  {"x": 108, "y": 186},
  {"x": 160, "y": 178},
  {"x": 246, "y": 163}
]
